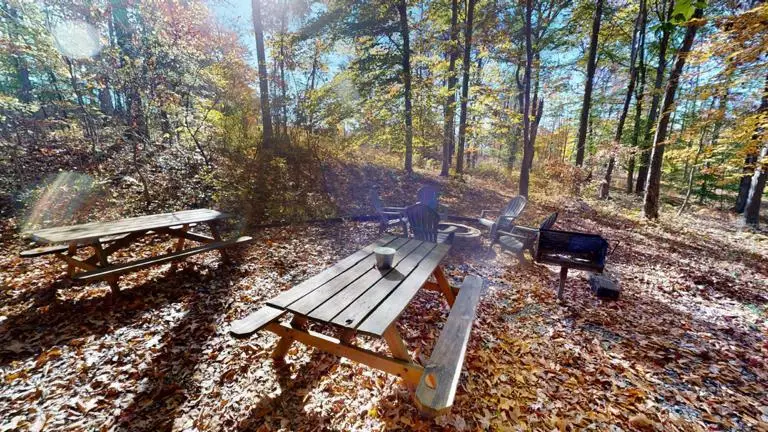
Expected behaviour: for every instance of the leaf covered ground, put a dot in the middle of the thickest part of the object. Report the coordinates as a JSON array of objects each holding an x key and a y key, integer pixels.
[{"x": 684, "y": 348}]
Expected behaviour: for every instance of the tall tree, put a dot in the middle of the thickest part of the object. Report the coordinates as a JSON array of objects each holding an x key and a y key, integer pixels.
[
  {"x": 665, "y": 15},
  {"x": 639, "y": 96},
  {"x": 402, "y": 9},
  {"x": 525, "y": 166},
  {"x": 449, "y": 107},
  {"x": 467, "y": 64},
  {"x": 605, "y": 186},
  {"x": 651, "y": 198},
  {"x": 591, "y": 66},
  {"x": 758, "y": 179},
  {"x": 266, "y": 112}
]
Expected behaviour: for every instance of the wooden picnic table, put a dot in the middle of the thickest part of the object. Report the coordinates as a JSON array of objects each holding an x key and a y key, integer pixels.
[
  {"x": 105, "y": 238},
  {"x": 354, "y": 296}
]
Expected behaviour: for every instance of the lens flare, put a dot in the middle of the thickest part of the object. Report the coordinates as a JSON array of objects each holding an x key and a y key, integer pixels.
[
  {"x": 76, "y": 39},
  {"x": 60, "y": 201}
]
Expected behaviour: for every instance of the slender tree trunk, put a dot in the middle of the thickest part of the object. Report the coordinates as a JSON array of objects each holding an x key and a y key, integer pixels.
[
  {"x": 750, "y": 161},
  {"x": 266, "y": 112},
  {"x": 281, "y": 66},
  {"x": 651, "y": 199},
  {"x": 538, "y": 106},
  {"x": 692, "y": 171},
  {"x": 591, "y": 66},
  {"x": 535, "y": 128},
  {"x": 105, "y": 99},
  {"x": 402, "y": 9},
  {"x": 311, "y": 90},
  {"x": 467, "y": 64},
  {"x": 525, "y": 167},
  {"x": 517, "y": 131},
  {"x": 449, "y": 108},
  {"x": 605, "y": 186},
  {"x": 636, "y": 144},
  {"x": 645, "y": 154}
]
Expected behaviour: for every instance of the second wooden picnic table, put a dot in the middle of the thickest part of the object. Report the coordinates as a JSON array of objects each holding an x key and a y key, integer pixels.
[
  {"x": 107, "y": 238},
  {"x": 356, "y": 297}
]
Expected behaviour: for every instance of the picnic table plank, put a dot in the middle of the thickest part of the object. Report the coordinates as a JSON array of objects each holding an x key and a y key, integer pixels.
[
  {"x": 438, "y": 384},
  {"x": 94, "y": 230},
  {"x": 356, "y": 312},
  {"x": 390, "y": 309},
  {"x": 311, "y": 284},
  {"x": 328, "y": 310},
  {"x": 309, "y": 302}
]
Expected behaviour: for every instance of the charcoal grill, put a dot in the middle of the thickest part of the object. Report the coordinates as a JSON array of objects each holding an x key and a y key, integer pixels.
[{"x": 571, "y": 250}]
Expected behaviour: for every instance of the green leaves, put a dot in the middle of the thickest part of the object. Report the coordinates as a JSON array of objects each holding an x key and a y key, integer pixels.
[{"x": 684, "y": 10}]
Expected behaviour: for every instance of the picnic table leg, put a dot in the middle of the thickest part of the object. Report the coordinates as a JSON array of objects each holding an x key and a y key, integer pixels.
[
  {"x": 563, "y": 276},
  {"x": 214, "y": 225},
  {"x": 104, "y": 262},
  {"x": 347, "y": 336},
  {"x": 71, "y": 251},
  {"x": 445, "y": 287},
  {"x": 397, "y": 347},
  {"x": 179, "y": 245},
  {"x": 284, "y": 344}
]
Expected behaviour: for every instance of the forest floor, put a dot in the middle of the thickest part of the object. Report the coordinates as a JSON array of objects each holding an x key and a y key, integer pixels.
[{"x": 684, "y": 348}]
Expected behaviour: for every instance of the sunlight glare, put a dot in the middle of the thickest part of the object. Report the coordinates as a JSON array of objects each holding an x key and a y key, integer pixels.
[
  {"x": 60, "y": 200},
  {"x": 77, "y": 39}
]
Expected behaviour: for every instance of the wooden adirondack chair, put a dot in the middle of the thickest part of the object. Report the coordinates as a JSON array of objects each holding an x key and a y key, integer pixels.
[
  {"x": 423, "y": 221},
  {"x": 520, "y": 238},
  {"x": 429, "y": 195},
  {"x": 505, "y": 219},
  {"x": 388, "y": 216}
]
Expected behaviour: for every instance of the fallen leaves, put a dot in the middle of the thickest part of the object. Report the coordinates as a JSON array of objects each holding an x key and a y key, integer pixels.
[
  {"x": 640, "y": 421},
  {"x": 684, "y": 349}
]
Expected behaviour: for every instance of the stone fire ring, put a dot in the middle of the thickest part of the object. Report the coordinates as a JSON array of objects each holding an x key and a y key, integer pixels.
[{"x": 462, "y": 231}]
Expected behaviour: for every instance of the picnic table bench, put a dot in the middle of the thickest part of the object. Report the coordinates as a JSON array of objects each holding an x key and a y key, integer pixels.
[
  {"x": 356, "y": 297},
  {"x": 105, "y": 238}
]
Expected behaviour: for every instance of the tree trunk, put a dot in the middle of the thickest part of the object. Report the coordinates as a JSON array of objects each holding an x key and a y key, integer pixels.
[
  {"x": 311, "y": 90},
  {"x": 692, "y": 172},
  {"x": 605, "y": 186},
  {"x": 465, "y": 86},
  {"x": 535, "y": 128},
  {"x": 757, "y": 182},
  {"x": 745, "y": 185},
  {"x": 651, "y": 199},
  {"x": 517, "y": 131},
  {"x": 639, "y": 96},
  {"x": 402, "y": 9},
  {"x": 281, "y": 66},
  {"x": 525, "y": 167},
  {"x": 449, "y": 108},
  {"x": 266, "y": 112},
  {"x": 591, "y": 66},
  {"x": 105, "y": 99},
  {"x": 645, "y": 154},
  {"x": 756, "y": 189}
]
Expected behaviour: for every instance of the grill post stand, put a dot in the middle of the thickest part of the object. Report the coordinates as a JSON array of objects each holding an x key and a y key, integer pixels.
[{"x": 563, "y": 276}]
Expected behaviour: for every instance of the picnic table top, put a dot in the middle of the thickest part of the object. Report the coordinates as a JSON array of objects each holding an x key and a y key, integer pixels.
[
  {"x": 95, "y": 230},
  {"x": 354, "y": 294}
]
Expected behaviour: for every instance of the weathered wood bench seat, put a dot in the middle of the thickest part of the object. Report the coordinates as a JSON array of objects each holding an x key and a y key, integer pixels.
[
  {"x": 119, "y": 269},
  {"x": 60, "y": 248},
  {"x": 256, "y": 321},
  {"x": 438, "y": 384}
]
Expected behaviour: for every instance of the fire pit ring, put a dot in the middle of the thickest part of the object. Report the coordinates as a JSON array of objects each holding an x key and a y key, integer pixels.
[{"x": 465, "y": 232}]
